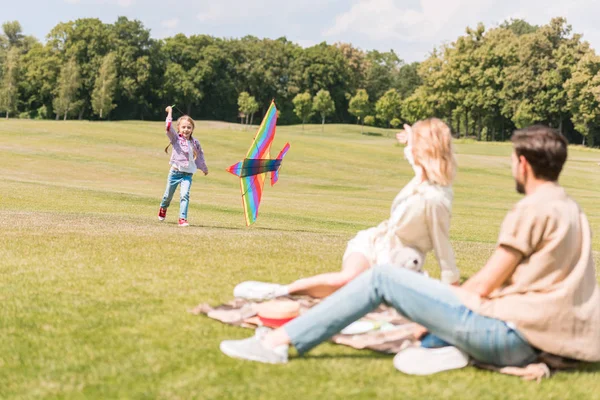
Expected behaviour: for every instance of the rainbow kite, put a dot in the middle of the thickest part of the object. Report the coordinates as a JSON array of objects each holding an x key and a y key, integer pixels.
[{"x": 253, "y": 169}]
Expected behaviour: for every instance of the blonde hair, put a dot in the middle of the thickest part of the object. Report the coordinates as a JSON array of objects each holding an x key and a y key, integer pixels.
[
  {"x": 433, "y": 151},
  {"x": 191, "y": 121}
]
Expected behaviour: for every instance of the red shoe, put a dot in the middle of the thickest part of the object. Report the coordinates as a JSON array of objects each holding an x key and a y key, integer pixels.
[
  {"x": 183, "y": 222},
  {"x": 162, "y": 214}
]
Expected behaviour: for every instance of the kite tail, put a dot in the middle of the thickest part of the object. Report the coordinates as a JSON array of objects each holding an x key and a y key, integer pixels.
[
  {"x": 236, "y": 168},
  {"x": 275, "y": 174}
]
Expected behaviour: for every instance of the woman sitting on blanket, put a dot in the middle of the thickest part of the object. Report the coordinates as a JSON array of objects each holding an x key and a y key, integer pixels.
[{"x": 419, "y": 222}]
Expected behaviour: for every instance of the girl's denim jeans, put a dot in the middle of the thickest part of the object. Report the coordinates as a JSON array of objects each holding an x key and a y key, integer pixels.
[{"x": 178, "y": 178}]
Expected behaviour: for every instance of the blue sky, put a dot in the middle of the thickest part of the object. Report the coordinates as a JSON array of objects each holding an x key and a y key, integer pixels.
[{"x": 411, "y": 27}]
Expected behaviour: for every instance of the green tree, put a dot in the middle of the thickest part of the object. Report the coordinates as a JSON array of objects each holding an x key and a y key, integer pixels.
[
  {"x": 252, "y": 108},
  {"x": 243, "y": 100},
  {"x": 180, "y": 87},
  {"x": 381, "y": 72},
  {"x": 104, "y": 88},
  {"x": 370, "y": 120},
  {"x": 136, "y": 66},
  {"x": 86, "y": 40},
  {"x": 407, "y": 79},
  {"x": 583, "y": 92},
  {"x": 388, "y": 106},
  {"x": 247, "y": 106},
  {"x": 13, "y": 32},
  {"x": 324, "y": 105},
  {"x": 303, "y": 107},
  {"x": 40, "y": 71},
  {"x": 359, "y": 106},
  {"x": 519, "y": 26},
  {"x": 325, "y": 67},
  {"x": 69, "y": 83},
  {"x": 9, "y": 94}
]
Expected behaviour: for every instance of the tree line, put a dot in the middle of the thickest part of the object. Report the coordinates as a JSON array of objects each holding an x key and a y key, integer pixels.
[{"x": 485, "y": 84}]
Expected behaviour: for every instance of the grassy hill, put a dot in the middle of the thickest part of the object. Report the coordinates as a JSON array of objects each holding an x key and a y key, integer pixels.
[{"x": 95, "y": 291}]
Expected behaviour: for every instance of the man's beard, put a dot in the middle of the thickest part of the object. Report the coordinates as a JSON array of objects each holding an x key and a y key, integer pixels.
[{"x": 520, "y": 187}]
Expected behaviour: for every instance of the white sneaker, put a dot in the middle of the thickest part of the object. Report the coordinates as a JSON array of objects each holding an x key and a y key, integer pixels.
[
  {"x": 423, "y": 361},
  {"x": 252, "y": 349},
  {"x": 253, "y": 290}
]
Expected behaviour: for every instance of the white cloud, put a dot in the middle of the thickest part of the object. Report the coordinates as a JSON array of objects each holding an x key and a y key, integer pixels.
[
  {"x": 306, "y": 42},
  {"x": 388, "y": 19},
  {"x": 170, "y": 23},
  {"x": 120, "y": 3},
  {"x": 125, "y": 3},
  {"x": 255, "y": 11}
]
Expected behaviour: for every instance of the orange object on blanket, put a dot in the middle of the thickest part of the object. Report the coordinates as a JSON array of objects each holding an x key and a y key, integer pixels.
[{"x": 277, "y": 312}]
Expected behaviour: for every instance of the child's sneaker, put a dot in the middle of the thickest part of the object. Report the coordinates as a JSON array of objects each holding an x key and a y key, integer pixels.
[
  {"x": 162, "y": 214},
  {"x": 183, "y": 222}
]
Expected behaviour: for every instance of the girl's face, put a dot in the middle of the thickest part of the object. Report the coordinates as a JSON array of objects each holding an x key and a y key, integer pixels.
[{"x": 186, "y": 128}]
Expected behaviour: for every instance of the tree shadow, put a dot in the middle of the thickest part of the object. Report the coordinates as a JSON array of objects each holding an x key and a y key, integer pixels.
[{"x": 372, "y": 134}]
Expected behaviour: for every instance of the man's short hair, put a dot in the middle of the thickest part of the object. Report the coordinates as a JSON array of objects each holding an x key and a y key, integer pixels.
[{"x": 544, "y": 148}]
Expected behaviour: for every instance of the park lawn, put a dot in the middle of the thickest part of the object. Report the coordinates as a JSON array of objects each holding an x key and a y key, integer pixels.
[{"x": 95, "y": 292}]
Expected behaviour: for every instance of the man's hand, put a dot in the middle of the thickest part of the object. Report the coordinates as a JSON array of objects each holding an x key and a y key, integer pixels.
[{"x": 496, "y": 271}]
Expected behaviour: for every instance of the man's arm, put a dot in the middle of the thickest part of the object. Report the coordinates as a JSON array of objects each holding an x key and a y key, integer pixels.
[{"x": 496, "y": 271}]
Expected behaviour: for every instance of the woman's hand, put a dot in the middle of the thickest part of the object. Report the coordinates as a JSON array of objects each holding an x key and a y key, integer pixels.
[
  {"x": 403, "y": 136},
  {"x": 419, "y": 332}
]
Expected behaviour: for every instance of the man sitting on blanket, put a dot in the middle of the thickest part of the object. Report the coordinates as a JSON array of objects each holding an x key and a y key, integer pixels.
[{"x": 537, "y": 292}]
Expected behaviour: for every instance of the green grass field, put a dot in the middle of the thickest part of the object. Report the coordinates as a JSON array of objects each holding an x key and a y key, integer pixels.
[{"x": 95, "y": 292}]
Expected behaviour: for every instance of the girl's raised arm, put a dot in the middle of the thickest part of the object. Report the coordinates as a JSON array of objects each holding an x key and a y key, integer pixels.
[{"x": 171, "y": 132}]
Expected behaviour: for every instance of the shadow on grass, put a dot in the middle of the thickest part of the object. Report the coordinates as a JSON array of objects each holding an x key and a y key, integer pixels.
[
  {"x": 583, "y": 368},
  {"x": 260, "y": 228},
  {"x": 372, "y": 134},
  {"x": 369, "y": 355}
]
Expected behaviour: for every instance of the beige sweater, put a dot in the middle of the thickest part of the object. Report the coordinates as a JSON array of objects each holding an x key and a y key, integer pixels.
[
  {"x": 419, "y": 218},
  {"x": 552, "y": 297}
]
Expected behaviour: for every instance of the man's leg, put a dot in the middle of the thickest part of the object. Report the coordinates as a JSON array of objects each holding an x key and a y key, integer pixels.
[{"x": 425, "y": 301}]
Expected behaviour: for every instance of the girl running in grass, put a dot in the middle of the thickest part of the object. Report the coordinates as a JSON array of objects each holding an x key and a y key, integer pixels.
[
  {"x": 419, "y": 221},
  {"x": 187, "y": 157}
]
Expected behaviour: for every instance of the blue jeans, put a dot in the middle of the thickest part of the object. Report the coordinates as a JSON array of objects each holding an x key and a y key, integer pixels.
[
  {"x": 175, "y": 178},
  {"x": 425, "y": 301}
]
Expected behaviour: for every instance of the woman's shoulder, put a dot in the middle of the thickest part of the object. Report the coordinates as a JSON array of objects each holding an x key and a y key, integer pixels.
[{"x": 437, "y": 194}]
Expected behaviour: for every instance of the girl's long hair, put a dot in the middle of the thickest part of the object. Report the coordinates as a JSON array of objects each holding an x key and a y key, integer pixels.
[
  {"x": 433, "y": 150},
  {"x": 191, "y": 121}
]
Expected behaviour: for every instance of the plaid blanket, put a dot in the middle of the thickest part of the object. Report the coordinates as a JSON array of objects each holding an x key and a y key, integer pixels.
[{"x": 391, "y": 333}]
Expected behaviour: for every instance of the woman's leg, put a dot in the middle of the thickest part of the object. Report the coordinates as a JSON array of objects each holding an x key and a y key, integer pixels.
[
  {"x": 325, "y": 284},
  {"x": 423, "y": 300},
  {"x": 172, "y": 182},
  {"x": 184, "y": 191}
]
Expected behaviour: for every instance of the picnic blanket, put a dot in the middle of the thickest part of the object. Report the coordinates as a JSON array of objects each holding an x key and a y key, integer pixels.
[{"x": 391, "y": 333}]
